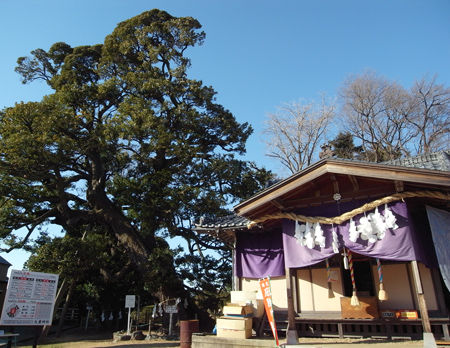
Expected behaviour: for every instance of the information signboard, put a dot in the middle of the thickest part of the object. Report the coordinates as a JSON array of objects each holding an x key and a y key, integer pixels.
[
  {"x": 171, "y": 309},
  {"x": 130, "y": 301},
  {"x": 29, "y": 299}
]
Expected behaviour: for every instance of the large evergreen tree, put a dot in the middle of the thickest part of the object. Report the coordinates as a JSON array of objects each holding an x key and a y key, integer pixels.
[
  {"x": 126, "y": 142},
  {"x": 343, "y": 146}
]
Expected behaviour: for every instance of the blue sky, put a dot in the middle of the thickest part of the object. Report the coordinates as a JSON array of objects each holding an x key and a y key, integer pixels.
[{"x": 257, "y": 54}]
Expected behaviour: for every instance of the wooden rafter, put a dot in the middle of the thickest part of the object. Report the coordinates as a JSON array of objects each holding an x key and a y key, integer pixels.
[
  {"x": 278, "y": 203},
  {"x": 335, "y": 183},
  {"x": 399, "y": 186},
  {"x": 354, "y": 182},
  {"x": 368, "y": 171},
  {"x": 346, "y": 196}
]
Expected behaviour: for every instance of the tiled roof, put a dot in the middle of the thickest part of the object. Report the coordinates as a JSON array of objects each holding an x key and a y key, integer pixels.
[
  {"x": 434, "y": 161},
  {"x": 4, "y": 262},
  {"x": 228, "y": 221}
]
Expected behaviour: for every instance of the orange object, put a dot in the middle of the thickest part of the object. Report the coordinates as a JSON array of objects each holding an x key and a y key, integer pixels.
[
  {"x": 407, "y": 314},
  {"x": 267, "y": 297}
]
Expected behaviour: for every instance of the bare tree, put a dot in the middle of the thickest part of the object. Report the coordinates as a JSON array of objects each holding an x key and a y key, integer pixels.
[
  {"x": 430, "y": 117},
  {"x": 374, "y": 112},
  {"x": 386, "y": 120},
  {"x": 296, "y": 131}
]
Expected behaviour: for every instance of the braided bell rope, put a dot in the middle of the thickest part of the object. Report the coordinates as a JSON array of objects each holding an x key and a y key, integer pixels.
[{"x": 348, "y": 215}]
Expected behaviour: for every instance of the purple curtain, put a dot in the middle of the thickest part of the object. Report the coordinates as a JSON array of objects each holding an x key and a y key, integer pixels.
[
  {"x": 398, "y": 245},
  {"x": 267, "y": 254},
  {"x": 259, "y": 255}
]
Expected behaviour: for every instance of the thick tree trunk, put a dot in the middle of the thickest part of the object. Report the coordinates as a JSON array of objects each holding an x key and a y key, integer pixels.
[
  {"x": 112, "y": 216},
  {"x": 127, "y": 235}
]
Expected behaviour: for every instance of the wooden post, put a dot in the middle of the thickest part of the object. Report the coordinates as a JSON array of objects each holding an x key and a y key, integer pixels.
[
  {"x": 340, "y": 330},
  {"x": 170, "y": 324},
  {"x": 291, "y": 334},
  {"x": 421, "y": 298},
  {"x": 235, "y": 286},
  {"x": 295, "y": 291},
  {"x": 428, "y": 337},
  {"x": 37, "y": 335}
]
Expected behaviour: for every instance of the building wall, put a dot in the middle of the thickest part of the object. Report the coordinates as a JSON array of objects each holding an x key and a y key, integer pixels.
[
  {"x": 313, "y": 290},
  {"x": 400, "y": 289},
  {"x": 428, "y": 287},
  {"x": 3, "y": 272},
  {"x": 277, "y": 285},
  {"x": 3, "y": 286},
  {"x": 3, "y": 282},
  {"x": 305, "y": 289},
  {"x": 397, "y": 285}
]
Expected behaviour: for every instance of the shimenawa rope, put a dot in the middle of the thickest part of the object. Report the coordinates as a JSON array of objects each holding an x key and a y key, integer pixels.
[{"x": 348, "y": 215}]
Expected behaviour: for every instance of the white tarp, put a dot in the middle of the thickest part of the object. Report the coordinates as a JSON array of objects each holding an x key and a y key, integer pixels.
[{"x": 440, "y": 230}]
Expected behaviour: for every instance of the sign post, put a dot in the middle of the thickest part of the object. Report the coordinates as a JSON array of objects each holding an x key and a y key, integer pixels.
[
  {"x": 89, "y": 309},
  {"x": 267, "y": 297},
  {"x": 171, "y": 310},
  {"x": 130, "y": 302}
]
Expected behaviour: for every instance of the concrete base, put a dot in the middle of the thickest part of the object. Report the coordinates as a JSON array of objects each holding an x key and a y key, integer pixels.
[
  {"x": 299, "y": 346},
  {"x": 209, "y": 341},
  {"x": 428, "y": 340},
  {"x": 291, "y": 337}
]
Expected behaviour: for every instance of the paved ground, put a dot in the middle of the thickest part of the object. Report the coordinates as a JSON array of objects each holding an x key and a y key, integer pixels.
[
  {"x": 77, "y": 338},
  {"x": 358, "y": 343}
]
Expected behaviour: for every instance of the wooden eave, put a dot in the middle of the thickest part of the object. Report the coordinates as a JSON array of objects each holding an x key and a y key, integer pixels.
[{"x": 400, "y": 178}]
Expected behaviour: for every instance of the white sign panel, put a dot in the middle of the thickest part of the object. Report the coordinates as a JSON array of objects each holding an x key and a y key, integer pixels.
[
  {"x": 130, "y": 301},
  {"x": 171, "y": 309},
  {"x": 29, "y": 299}
]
